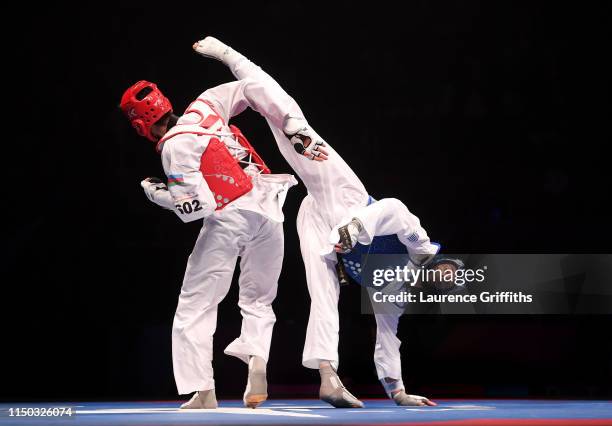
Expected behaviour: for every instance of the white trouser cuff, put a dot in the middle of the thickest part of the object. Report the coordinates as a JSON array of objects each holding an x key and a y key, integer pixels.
[
  {"x": 392, "y": 387},
  {"x": 314, "y": 363}
]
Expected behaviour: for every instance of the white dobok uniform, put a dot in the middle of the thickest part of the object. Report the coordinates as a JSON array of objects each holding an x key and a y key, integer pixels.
[
  {"x": 249, "y": 227},
  {"x": 390, "y": 216},
  {"x": 335, "y": 196}
]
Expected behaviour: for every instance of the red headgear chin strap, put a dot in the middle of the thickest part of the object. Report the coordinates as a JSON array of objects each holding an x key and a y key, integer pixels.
[{"x": 144, "y": 104}]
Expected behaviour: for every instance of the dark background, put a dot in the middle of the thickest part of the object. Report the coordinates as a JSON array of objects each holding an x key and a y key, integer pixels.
[{"x": 490, "y": 120}]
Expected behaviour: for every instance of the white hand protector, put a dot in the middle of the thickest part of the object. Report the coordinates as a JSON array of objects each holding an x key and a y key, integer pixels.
[
  {"x": 304, "y": 140},
  {"x": 348, "y": 234},
  {"x": 157, "y": 191}
]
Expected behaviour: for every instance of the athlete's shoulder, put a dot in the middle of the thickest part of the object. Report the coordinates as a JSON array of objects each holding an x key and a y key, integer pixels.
[{"x": 181, "y": 141}]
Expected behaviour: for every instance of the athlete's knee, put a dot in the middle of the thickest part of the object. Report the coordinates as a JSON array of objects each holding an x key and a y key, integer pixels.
[
  {"x": 399, "y": 208},
  {"x": 400, "y": 205},
  {"x": 394, "y": 203}
]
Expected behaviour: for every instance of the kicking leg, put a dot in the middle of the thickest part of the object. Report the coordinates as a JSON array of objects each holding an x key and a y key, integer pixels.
[
  {"x": 274, "y": 98},
  {"x": 239, "y": 65},
  {"x": 243, "y": 68}
]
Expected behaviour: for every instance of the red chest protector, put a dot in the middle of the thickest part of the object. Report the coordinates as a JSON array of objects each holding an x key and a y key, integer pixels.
[{"x": 222, "y": 170}]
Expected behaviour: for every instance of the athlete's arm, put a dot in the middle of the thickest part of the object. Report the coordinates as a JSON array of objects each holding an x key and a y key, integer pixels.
[
  {"x": 191, "y": 196},
  {"x": 157, "y": 192}
]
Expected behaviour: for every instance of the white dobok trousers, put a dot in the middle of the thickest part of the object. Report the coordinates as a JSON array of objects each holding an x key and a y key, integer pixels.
[{"x": 225, "y": 236}]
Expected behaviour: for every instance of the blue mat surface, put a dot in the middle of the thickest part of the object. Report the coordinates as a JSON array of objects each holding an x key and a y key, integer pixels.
[{"x": 314, "y": 412}]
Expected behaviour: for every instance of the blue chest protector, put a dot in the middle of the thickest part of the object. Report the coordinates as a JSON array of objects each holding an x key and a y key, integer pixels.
[{"x": 383, "y": 244}]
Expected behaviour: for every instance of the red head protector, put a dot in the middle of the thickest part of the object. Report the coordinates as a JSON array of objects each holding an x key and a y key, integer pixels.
[{"x": 144, "y": 104}]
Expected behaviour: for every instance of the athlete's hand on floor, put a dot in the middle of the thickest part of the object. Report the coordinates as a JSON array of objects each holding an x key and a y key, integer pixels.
[{"x": 423, "y": 401}]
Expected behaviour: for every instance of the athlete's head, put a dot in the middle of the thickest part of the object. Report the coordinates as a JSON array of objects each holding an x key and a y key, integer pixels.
[
  {"x": 443, "y": 273},
  {"x": 148, "y": 110}
]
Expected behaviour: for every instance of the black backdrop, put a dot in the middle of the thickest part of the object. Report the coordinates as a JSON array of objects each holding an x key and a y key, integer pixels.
[{"x": 490, "y": 120}]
